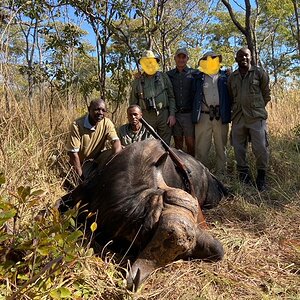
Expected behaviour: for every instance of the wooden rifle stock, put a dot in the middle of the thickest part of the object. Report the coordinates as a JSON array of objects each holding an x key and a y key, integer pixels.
[{"x": 181, "y": 167}]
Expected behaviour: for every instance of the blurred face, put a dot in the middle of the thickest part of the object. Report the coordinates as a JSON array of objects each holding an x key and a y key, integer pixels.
[
  {"x": 181, "y": 60},
  {"x": 243, "y": 58},
  {"x": 210, "y": 65},
  {"x": 134, "y": 115},
  {"x": 96, "y": 111},
  {"x": 149, "y": 65}
]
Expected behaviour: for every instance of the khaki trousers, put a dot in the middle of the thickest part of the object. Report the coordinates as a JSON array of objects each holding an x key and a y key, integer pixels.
[{"x": 206, "y": 131}]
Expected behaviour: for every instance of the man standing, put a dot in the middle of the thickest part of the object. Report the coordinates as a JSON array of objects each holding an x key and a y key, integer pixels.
[
  {"x": 134, "y": 131},
  {"x": 182, "y": 81},
  {"x": 211, "y": 111},
  {"x": 250, "y": 92},
  {"x": 88, "y": 136},
  {"x": 153, "y": 92}
]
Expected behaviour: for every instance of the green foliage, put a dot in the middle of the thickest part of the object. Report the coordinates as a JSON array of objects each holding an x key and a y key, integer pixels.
[
  {"x": 35, "y": 254},
  {"x": 281, "y": 8}
]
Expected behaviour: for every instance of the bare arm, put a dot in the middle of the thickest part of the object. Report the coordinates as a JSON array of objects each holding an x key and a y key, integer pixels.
[
  {"x": 117, "y": 147},
  {"x": 75, "y": 162}
]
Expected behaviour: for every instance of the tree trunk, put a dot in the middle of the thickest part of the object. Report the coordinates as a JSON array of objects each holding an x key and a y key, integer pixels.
[
  {"x": 245, "y": 30},
  {"x": 296, "y": 8}
]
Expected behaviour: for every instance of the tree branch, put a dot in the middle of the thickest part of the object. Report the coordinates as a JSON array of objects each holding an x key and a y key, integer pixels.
[{"x": 233, "y": 18}]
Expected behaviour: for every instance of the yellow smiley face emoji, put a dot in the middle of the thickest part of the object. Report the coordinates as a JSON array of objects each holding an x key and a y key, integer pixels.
[
  {"x": 149, "y": 65},
  {"x": 210, "y": 65}
]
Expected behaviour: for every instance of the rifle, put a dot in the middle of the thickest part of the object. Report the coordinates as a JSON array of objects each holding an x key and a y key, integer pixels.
[{"x": 181, "y": 167}]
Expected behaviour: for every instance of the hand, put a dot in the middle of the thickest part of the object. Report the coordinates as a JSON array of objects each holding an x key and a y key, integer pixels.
[
  {"x": 228, "y": 71},
  {"x": 171, "y": 121},
  {"x": 117, "y": 146}
]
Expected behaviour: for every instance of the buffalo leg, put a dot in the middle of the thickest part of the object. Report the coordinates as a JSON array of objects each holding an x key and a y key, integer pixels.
[{"x": 206, "y": 247}]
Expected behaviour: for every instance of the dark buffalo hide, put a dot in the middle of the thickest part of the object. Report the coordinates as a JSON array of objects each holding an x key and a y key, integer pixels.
[{"x": 139, "y": 198}]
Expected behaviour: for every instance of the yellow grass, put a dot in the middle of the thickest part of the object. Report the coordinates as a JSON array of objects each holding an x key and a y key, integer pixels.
[{"x": 260, "y": 231}]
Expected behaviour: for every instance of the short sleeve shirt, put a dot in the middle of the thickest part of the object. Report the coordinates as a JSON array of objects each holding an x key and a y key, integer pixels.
[{"x": 90, "y": 140}]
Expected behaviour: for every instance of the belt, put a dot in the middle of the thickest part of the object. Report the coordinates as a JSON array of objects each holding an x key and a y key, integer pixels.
[{"x": 183, "y": 110}]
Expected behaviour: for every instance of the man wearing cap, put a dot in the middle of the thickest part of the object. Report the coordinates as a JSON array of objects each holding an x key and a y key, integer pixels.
[
  {"x": 250, "y": 91},
  {"x": 211, "y": 111},
  {"x": 153, "y": 92},
  {"x": 182, "y": 81}
]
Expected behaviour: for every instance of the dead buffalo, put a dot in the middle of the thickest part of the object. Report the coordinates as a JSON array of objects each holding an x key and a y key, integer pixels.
[{"x": 139, "y": 199}]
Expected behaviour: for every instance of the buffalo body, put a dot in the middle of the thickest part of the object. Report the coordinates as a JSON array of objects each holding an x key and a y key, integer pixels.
[{"x": 139, "y": 198}]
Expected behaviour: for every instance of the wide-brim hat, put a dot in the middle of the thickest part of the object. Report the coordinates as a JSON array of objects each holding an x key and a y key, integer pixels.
[
  {"x": 212, "y": 54},
  {"x": 149, "y": 54}
]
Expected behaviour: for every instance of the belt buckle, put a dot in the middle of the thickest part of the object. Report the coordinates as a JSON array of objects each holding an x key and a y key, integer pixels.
[{"x": 183, "y": 110}]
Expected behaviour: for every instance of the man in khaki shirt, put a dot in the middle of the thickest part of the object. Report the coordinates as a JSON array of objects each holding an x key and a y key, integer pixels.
[
  {"x": 250, "y": 92},
  {"x": 88, "y": 136}
]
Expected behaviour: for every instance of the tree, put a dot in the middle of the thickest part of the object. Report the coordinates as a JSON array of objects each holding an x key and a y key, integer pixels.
[
  {"x": 247, "y": 29},
  {"x": 30, "y": 17},
  {"x": 296, "y": 32}
]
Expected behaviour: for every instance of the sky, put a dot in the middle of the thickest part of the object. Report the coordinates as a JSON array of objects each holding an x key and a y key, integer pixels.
[{"x": 237, "y": 5}]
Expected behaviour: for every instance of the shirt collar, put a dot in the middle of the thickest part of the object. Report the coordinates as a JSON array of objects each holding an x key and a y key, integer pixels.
[
  {"x": 87, "y": 123},
  {"x": 184, "y": 70},
  {"x": 237, "y": 71},
  {"x": 213, "y": 76}
]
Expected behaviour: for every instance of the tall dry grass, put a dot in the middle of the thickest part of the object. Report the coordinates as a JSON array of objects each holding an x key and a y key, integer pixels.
[{"x": 259, "y": 231}]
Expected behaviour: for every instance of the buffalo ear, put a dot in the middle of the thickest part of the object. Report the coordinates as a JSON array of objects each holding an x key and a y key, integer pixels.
[{"x": 161, "y": 161}]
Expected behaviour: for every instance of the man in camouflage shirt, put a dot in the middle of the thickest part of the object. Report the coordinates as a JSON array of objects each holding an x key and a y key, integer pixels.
[
  {"x": 153, "y": 92},
  {"x": 250, "y": 92}
]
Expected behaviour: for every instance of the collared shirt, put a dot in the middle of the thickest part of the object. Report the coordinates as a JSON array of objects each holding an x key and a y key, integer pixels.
[
  {"x": 182, "y": 87},
  {"x": 210, "y": 90},
  {"x": 87, "y": 124},
  {"x": 249, "y": 94},
  {"x": 128, "y": 136},
  {"x": 90, "y": 140},
  {"x": 157, "y": 87}
]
